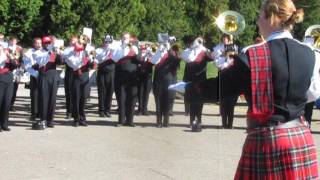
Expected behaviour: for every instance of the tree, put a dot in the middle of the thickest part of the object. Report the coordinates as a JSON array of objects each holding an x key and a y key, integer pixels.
[
  {"x": 249, "y": 9},
  {"x": 165, "y": 16},
  {"x": 312, "y": 16},
  {"x": 19, "y": 17},
  {"x": 202, "y": 14}
]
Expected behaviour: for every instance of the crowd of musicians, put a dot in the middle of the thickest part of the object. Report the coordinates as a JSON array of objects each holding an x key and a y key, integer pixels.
[{"x": 126, "y": 67}]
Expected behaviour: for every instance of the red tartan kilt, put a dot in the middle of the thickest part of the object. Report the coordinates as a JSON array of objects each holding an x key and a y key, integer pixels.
[{"x": 278, "y": 154}]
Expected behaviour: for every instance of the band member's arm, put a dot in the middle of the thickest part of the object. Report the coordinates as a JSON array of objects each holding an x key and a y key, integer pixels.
[
  {"x": 313, "y": 92},
  {"x": 237, "y": 77}
]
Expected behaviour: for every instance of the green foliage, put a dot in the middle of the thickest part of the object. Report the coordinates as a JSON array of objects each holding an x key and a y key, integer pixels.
[
  {"x": 167, "y": 16},
  {"x": 312, "y": 16},
  {"x": 249, "y": 10},
  {"x": 202, "y": 14},
  {"x": 18, "y": 17},
  {"x": 144, "y": 18}
]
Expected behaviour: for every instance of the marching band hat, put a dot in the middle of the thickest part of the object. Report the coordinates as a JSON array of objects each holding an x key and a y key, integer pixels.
[{"x": 46, "y": 40}]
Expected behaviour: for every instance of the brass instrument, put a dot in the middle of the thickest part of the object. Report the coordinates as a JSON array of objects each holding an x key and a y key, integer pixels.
[
  {"x": 84, "y": 39},
  {"x": 314, "y": 32},
  {"x": 231, "y": 22}
]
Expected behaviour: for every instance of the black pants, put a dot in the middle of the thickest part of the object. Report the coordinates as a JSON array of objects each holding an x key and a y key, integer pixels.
[
  {"x": 67, "y": 89},
  {"x": 227, "y": 105},
  {"x": 186, "y": 106},
  {"x": 145, "y": 86},
  {"x": 128, "y": 92},
  {"x": 163, "y": 98},
  {"x": 105, "y": 83},
  {"x": 308, "y": 110},
  {"x": 6, "y": 89},
  {"x": 14, "y": 95},
  {"x": 48, "y": 87},
  {"x": 34, "y": 94},
  {"x": 196, "y": 112},
  {"x": 173, "y": 95},
  {"x": 80, "y": 91}
]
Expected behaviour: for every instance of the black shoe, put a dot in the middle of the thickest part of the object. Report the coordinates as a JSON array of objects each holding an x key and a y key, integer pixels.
[
  {"x": 75, "y": 123},
  {"x": 50, "y": 124},
  {"x": 6, "y": 129},
  {"x": 101, "y": 114},
  {"x": 83, "y": 123},
  {"x": 0, "y": 130},
  {"x": 12, "y": 108},
  {"x": 38, "y": 125},
  {"x": 165, "y": 125},
  {"x": 107, "y": 114},
  {"x": 159, "y": 125},
  {"x": 170, "y": 113}
]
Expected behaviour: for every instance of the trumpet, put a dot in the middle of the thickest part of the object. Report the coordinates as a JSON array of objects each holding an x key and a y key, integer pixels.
[
  {"x": 14, "y": 55},
  {"x": 314, "y": 33},
  {"x": 84, "y": 39}
]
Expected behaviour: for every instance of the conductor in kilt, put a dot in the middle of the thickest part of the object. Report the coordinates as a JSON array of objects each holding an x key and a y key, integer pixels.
[{"x": 276, "y": 76}]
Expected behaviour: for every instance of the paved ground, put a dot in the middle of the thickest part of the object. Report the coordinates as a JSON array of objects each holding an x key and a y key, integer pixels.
[{"x": 102, "y": 151}]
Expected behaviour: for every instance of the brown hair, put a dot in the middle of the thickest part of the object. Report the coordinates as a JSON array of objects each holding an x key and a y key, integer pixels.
[{"x": 285, "y": 10}]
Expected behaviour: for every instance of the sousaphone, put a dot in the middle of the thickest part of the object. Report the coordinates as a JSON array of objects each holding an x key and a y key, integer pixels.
[
  {"x": 313, "y": 32},
  {"x": 231, "y": 22}
]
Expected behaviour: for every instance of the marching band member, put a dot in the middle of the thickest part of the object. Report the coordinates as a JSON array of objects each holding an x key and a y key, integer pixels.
[
  {"x": 6, "y": 86},
  {"x": 196, "y": 57},
  {"x": 46, "y": 61},
  {"x": 3, "y": 43},
  {"x": 276, "y": 77},
  {"x": 105, "y": 76},
  {"x": 29, "y": 61},
  {"x": 15, "y": 54},
  {"x": 78, "y": 59},
  {"x": 145, "y": 79},
  {"x": 68, "y": 77},
  {"x": 227, "y": 103},
  {"x": 126, "y": 79},
  {"x": 308, "y": 110},
  {"x": 166, "y": 63}
]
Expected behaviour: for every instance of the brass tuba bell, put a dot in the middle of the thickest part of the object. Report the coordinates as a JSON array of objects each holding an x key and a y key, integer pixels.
[
  {"x": 314, "y": 33},
  {"x": 230, "y": 22}
]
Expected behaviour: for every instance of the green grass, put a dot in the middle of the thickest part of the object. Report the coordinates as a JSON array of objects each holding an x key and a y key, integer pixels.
[{"x": 212, "y": 71}]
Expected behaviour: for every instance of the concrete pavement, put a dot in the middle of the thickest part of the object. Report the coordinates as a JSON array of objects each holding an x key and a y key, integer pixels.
[{"x": 103, "y": 151}]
